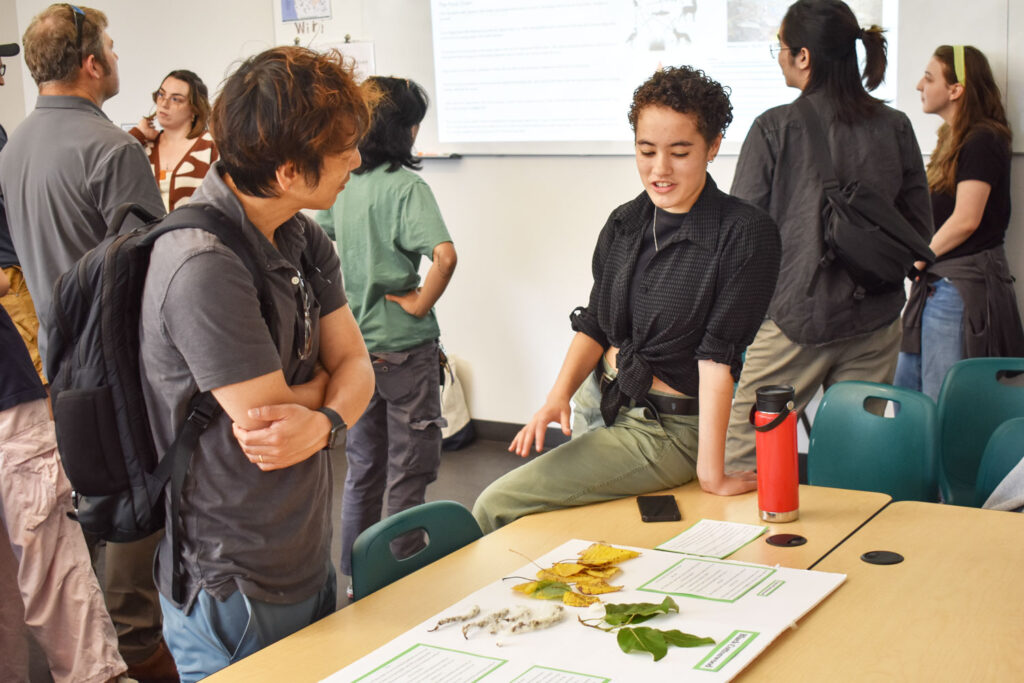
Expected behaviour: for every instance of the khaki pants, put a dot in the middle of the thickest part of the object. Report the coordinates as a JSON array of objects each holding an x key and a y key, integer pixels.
[
  {"x": 773, "y": 359},
  {"x": 49, "y": 565}
]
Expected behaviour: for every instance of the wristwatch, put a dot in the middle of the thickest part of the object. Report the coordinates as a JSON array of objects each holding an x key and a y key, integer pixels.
[{"x": 338, "y": 426}]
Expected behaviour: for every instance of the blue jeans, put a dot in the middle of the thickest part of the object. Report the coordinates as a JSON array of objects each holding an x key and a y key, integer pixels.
[
  {"x": 215, "y": 634},
  {"x": 395, "y": 446},
  {"x": 942, "y": 342}
]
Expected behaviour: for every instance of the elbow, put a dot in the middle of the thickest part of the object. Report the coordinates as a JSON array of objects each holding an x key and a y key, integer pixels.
[{"x": 446, "y": 259}]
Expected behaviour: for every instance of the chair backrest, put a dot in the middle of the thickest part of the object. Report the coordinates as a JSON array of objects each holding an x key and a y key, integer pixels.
[
  {"x": 972, "y": 403},
  {"x": 854, "y": 446},
  {"x": 448, "y": 526},
  {"x": 1004, "y": 450}
]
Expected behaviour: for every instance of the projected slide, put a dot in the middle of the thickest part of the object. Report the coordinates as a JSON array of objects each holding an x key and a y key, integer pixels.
[{"x": 565, "y": 70}]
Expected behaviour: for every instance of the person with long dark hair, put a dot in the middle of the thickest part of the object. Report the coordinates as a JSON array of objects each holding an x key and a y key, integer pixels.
[
  {"x": 385, "y": 222},
  {"x": 682, "y": 276},
  {"x": 816, "y": 335},
  {"x": 182, "y": 151},
  {"x": 963, "y": 306}
]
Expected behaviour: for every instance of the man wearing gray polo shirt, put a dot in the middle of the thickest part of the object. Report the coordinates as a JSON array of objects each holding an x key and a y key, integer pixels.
[
  {"x": 63, "y": 174},
  {"x": 289, "y": 370}
]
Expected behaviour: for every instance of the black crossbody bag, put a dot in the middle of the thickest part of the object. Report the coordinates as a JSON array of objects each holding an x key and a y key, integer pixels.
[{"x": 863, "y": 232}]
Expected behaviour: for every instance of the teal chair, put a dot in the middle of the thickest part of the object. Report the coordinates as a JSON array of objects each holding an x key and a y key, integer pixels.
[
  {"x": 448, "y": 526},
  {"x": 1004, "y": 450},
  {"x": 972, "y": 403},
  {"x": 852, "y": 448}
]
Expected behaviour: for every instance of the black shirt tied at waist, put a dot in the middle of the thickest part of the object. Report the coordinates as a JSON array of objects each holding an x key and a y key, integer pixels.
[
  {"x": 702, "y": 296},
  {"x": 991, "y": 319}
]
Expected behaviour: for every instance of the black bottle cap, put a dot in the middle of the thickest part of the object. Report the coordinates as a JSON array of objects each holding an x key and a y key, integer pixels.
[{"x": 774, "y": 398}]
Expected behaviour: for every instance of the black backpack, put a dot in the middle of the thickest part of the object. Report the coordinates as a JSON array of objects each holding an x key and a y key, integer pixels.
[
  {"x": 103, "y": 430},
  {"x": 863, "y": 232}
]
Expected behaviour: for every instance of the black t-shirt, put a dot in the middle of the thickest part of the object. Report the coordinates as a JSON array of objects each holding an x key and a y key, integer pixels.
[
  {"x": 19, "y": 382},
  {"x": 665, "y": 225},
  {"x": 985, "y": 156}
]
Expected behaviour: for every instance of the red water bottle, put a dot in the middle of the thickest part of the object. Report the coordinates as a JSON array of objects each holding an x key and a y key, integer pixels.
[{"x": 778, "y": 497}]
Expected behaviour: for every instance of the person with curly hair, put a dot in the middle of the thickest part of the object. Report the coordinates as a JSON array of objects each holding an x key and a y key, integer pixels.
[
  {"x": 963, "y": 306},
  {"x": 683, "y": 275},
  {"x": 819, "y": 329}
]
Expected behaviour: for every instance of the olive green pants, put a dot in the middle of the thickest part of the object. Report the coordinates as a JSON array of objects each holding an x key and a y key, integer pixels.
[{"x": 637, "y": 454}]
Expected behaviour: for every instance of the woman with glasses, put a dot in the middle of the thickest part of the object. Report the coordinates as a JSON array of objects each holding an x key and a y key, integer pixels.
[
  {"x": 182, "y": 151},
  {"x": 385, "y": 222},
  {"x": 819, "y": 330},
  {"x": 682, "y": 276},
  {"x": 963, "y": 306}
]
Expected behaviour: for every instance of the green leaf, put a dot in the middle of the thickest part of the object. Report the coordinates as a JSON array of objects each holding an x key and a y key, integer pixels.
[
  {"x": 643, "y": 639},
  {"x": 637, "y": 612},
  {"x": 550, "y": 590},
  {"x": 680, "y": 639}
]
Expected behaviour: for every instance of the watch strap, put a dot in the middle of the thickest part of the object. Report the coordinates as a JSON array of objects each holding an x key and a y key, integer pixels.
[{"x": 337, "y": 424}]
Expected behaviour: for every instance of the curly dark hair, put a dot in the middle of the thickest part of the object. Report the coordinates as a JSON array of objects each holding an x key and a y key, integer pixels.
[
  {"x": 687, "y": 91},
  {"x": 389, "y": 141}
]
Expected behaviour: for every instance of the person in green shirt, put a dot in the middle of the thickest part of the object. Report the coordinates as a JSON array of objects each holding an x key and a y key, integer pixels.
[{"x": 384, "y": 222}]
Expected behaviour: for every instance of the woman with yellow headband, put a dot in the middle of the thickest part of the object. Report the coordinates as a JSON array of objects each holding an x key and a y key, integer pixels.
[{"x": 963, "y": 306}]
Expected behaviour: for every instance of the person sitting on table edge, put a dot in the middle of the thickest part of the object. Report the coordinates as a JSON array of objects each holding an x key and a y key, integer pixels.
[{"x": 683, "y": 275}]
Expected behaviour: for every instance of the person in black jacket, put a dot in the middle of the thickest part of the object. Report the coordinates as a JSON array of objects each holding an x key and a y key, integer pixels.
[{"x": 816, "y": 336}]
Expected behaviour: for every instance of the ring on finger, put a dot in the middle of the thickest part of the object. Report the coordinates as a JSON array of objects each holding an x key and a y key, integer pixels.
[{"x": 260, "y": 457}]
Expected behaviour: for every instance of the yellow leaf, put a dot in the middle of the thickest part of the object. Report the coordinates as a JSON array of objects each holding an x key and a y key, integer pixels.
[
  {"x": 603, "y": 572},
  {"x": 548, "y": 575},
  {"x": 566, "y": 569},
  {"x": 597, "y": 587},
  {"x": 600, "y": 554},
  {"x": 527, "y": 588},
  {"x": 578, "y": 600}
]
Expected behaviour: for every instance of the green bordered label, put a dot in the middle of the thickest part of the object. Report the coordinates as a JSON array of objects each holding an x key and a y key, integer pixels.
[
  {"x": 771, "y": 588},
  {"x": 422, "y": 657},
  {"x": 708, "y": 579},
  {"x": 726, "y": 651},
  {"x": 549, "y": 675}
]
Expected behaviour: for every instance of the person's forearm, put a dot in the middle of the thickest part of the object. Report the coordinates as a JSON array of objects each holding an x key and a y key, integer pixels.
[
  {"x": 433, "y": 287},
  {"x": 311, "y": 394},
  {"x": 952, "y": 234},
  {"x": 715, "y": 394},
  {"x": 350, "y": 388},
  {"x": 583, "y": 356}
]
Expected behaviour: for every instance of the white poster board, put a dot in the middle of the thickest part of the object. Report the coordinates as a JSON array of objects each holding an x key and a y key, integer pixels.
[{"x": 744, "y": 607}]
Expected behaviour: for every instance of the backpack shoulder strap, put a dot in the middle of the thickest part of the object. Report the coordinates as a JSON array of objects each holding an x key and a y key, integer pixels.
[
  {"x": 203, "y": 407},
  {"x": 212, "y": 220}
]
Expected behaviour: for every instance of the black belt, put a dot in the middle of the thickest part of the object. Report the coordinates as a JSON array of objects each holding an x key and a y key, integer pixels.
[{"x": 660, "y": 403}]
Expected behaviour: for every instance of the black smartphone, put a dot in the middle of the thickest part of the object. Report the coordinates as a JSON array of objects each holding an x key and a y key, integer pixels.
[{"x": 658, "y": 508}]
